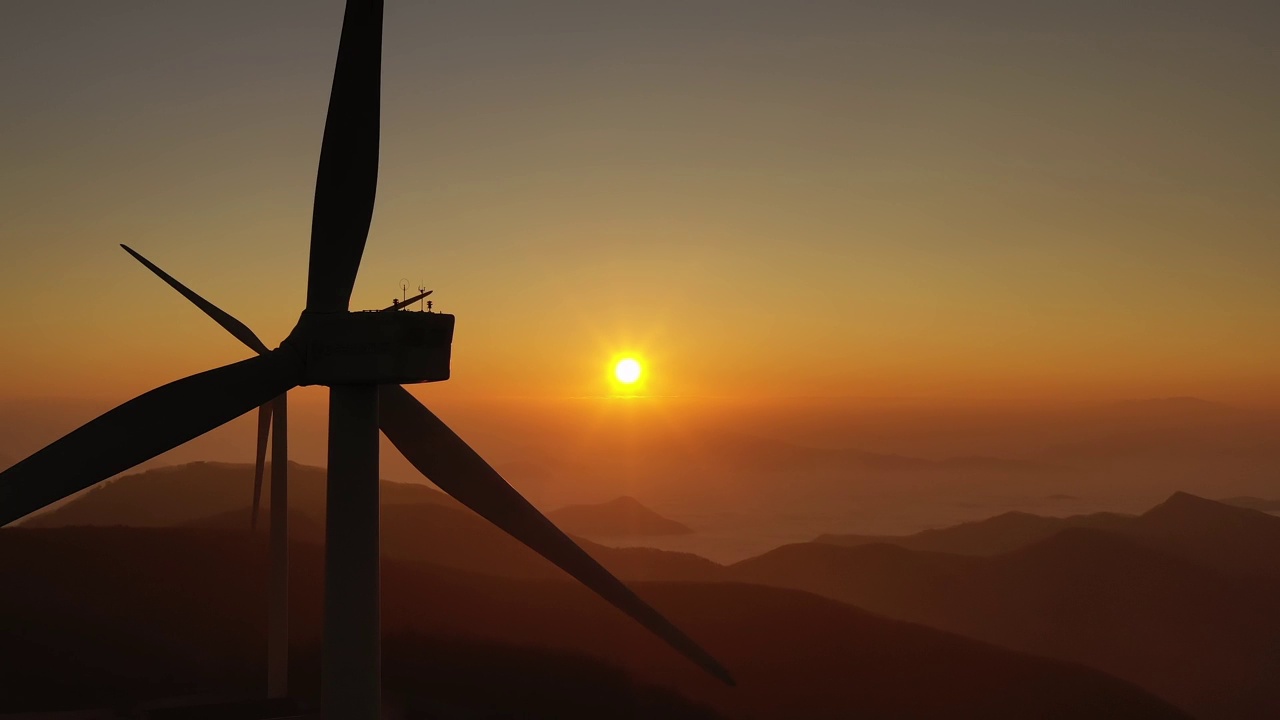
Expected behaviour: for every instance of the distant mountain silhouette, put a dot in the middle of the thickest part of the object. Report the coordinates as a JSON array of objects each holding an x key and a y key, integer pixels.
[
  {"x": 623, "y": 516},
  {"x": 418, "y": 523},
  {"x": 995, "y": 535},
  {"x": 456, "y": 538},
  {"x": 110, "y": 615},
  {"x": 1252, "y": 503},
  {"x": 428, "y": 532},
  {"x": 1230, "y": 539},
  {"x": 1179, "y": 600},
  {"x": 1220, "y": 536}
]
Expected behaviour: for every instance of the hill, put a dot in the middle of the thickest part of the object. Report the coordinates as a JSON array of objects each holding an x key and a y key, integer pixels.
[
  {"x": 995, "y": 535},
  {"x": 1231, "y": 539},
  {"x": 187, "y": 493},
  {"x": 1252, "y": 503},
  {"x": 623, "y": 516},
  {"x": 182, "y": 610},
  {"x": 1168, "y": 600},
  {"x": 418, "y": 523},
  {"x": 1224, "y": 537}
]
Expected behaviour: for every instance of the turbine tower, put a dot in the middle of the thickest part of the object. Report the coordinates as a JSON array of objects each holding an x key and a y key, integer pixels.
[{"x": 363, "y": 358}]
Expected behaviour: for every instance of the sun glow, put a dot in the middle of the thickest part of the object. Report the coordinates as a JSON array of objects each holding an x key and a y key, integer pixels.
[{"x": 627, "y": 371}]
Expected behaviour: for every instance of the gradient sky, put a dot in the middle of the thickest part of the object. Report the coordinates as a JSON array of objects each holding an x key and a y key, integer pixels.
[{"x": 978, "y": 199}]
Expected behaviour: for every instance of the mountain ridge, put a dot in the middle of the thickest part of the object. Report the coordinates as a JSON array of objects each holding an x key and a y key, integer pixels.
[
  {"x": 1160, "y": 600},
  {"x": 621, "y": 516}
]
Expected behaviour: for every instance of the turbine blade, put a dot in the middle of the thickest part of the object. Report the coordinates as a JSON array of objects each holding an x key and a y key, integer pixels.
[
  {"x": 260, "y": 462},
  {"x": 230, "y": 324},
  {"x": 438, "y": 453},
  {"x": 347, "y": 179},
  {"x": 142, "y": 428}
]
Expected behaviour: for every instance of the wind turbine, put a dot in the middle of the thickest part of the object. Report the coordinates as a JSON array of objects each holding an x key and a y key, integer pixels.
[
  {"x": 273, "y": 422},
  {"x": 363, "y": 357}
]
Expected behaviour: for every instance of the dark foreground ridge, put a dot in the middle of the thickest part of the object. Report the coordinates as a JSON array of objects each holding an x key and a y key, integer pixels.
[{"x": 112, "y": 616}]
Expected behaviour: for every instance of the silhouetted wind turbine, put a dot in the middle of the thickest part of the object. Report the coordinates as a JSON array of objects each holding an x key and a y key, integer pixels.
[
  {"x": 363, "y": 357},
  {"x": 271, "y": 421}
]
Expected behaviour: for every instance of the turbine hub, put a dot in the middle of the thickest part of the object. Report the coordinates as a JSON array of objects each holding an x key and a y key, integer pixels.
[{"x": 372, "y": 348}]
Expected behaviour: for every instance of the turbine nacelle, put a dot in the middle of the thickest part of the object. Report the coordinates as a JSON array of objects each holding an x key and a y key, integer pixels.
[{"x": 372, "y": 348}]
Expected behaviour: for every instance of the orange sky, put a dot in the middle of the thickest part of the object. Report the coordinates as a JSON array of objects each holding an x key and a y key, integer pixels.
[{"x": 839, "y": 199}]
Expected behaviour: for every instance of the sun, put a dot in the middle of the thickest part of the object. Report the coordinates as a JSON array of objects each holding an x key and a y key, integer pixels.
[{"x": 627, "y": 371}]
